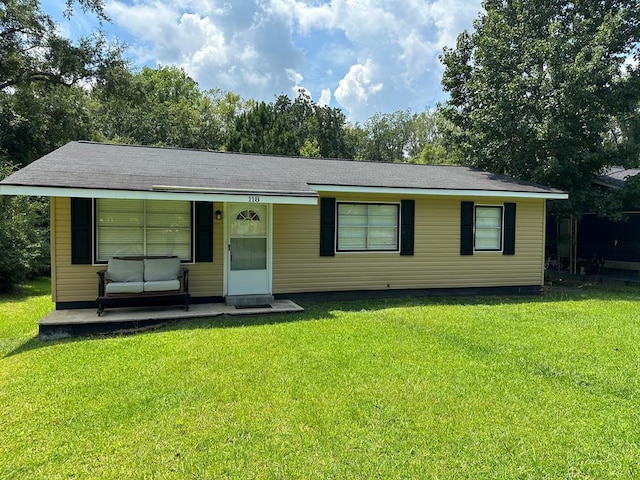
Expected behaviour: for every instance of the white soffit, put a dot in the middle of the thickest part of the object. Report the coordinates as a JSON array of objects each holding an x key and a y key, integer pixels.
[
  {"x": 438, "y": 192},
  {"x": 163, "y": 193}
]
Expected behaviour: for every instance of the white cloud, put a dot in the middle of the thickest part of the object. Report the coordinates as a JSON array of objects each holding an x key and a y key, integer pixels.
[
  {"x": 374, "y": 55},
  {"x": 357, "y": 86},
  {"x": 325, "y": 97},
  {"x": 406, "y": 37},
  {"x": 294, "y": 76},
  {"x": 452, "y": 17}
]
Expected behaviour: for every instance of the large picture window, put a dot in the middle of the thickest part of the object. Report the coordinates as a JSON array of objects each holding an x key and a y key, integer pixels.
[
  {"x": 488, "y": 228},
  {"x": 367, "y": 227},
  {"x": 143, "y": 227}
]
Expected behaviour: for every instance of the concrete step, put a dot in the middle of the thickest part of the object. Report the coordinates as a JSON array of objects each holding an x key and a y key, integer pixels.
[{"x": 248, "y": 300}]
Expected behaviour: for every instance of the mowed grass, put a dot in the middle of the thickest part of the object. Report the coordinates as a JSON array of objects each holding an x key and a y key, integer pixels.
[{"x": 465, "y": 388}]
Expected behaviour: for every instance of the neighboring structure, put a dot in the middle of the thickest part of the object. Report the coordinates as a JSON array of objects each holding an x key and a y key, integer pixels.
[
  {"x": 253, "y": 224},
  {"x": 614, "y": 244}
]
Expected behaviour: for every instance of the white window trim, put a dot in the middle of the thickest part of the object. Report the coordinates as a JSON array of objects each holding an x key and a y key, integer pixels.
[
  {"x": 489, "y": 250},
  {"x": 365, "y": 251},
  {"x": 94, "y": 232}
]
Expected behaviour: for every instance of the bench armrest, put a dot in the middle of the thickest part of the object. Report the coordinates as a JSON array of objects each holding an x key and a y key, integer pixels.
[
  {"x": 185, "y": 280},
  {"x": 101, "y": 282}
]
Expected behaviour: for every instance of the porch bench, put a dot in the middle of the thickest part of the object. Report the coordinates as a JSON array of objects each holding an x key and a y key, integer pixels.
[{"x": 149, "y": 280}]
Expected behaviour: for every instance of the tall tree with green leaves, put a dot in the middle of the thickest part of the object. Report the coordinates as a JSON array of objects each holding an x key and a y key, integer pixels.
[
  {"x": 36, "y": 119},
  {"x": 331, "y": 133},
  {"x": 42, "y": 78},
  {"x": 402, "y": 136},
  {"x": 261, "y": 129},
  {"x": 387, "y": 137},
  {"x": 156, "y": 106},
  {"x": 32, "y": 50},
  {"x": 290, "y": 127},
  {"x": 42, "y": 106},
  {"x": 24, "y": 239},
  {"x": 535, "y": 85}
]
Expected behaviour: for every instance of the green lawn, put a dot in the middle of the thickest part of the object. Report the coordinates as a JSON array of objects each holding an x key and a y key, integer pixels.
[{"x": 467, "y": 388}]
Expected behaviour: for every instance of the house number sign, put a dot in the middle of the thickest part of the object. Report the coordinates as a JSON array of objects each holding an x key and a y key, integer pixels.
[{"x": 254, "y": 199}]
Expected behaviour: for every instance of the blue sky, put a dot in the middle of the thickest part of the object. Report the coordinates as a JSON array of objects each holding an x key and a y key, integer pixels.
[{"x": 364, "y": 56}]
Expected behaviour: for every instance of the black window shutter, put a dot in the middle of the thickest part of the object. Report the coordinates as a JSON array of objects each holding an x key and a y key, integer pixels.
[
  {"x": 466, "y": 228},
  {"x": 327, "y": 227},
  {"x": 81, "y": 231},
  {"x": 407, "y": 229},
  {"x": 509, "y": 229},
  {"x": 204, "y": 232}
]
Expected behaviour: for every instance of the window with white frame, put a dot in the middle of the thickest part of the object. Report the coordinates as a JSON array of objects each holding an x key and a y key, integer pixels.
[
  {"x": 143, "y": 227},
  {"x": 367, "y": 227},
  {"x": 488, "y": 228}
]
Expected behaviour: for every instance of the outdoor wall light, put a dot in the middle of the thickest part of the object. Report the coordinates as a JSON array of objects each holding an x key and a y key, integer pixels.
[{"x": 218, "y": 215}]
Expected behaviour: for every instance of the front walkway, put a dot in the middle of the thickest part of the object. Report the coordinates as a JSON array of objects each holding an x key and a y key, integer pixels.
[{"x": 61, "y": 323}]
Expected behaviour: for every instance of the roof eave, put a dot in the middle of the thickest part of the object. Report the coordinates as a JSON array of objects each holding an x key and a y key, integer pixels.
[
  {"x": 555, "y": 195},
  {"x": 608, "y": 183},
  {"x": 285, "y": 197},
  {"x": 296, "y": 198}
]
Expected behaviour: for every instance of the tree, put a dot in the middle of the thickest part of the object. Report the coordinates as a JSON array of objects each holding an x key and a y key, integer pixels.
[
  {"x": 31, "y": 50},
  {"x": 258, "y": 130},
  {"x": 38, "y": 118},
  {"x": 387, "y": 136},
  {"x": 427, "y": 139},
  {"x": 42, "y": 106},
  {"x": 331, "y": 133},
  {"x": 225, "y": 108},
  {"x": 534, "y": 87},
  {"x": 624, "y": 133},
  {"x": 162, "y": 106},
  {"x": 286, "y": 127},
  {"x": 402, "y": 136},
  {"x": 310, "y": 149},
  {"x": 43, "y": 79},
  {"x": 24, "y": 245}
]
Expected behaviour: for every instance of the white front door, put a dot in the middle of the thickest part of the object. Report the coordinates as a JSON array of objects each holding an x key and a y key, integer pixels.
[{"x": 248, "y": 249}]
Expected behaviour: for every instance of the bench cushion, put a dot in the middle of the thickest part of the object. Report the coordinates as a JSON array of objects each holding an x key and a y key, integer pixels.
[
  {"x": 161, "y": 286},
  {"x": 120, "y": 270},
  {"x": 124, "y": 287},
  {"x": 160, "y": 269}
]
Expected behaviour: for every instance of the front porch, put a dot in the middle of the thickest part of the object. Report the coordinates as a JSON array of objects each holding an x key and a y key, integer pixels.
[{"x": 64, "y": 323}]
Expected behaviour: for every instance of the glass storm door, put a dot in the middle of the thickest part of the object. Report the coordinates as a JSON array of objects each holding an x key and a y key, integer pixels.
[{"x": 249, "y": 261}]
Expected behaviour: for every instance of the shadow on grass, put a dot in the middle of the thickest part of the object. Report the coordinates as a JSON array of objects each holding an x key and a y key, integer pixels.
[
  {"x": 318, "y": 310},
  {"x": 35, "y": 288},
  {"x": 150, "y": 328}
]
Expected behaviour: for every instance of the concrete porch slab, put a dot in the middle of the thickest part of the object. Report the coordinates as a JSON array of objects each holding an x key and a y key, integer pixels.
[{"x": 60, "y": 323}]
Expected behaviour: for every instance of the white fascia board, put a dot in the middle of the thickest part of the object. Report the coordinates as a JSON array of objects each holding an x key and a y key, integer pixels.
[
  {"x": 258, "y": 197},
  {"x": 437, "y": 192}
]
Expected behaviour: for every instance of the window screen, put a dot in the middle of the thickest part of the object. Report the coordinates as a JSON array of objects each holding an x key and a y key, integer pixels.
[
  {"x": 142, "y": 227},
  {"x": 363, "y": 227},
  {"x": 488, "y": 228}
]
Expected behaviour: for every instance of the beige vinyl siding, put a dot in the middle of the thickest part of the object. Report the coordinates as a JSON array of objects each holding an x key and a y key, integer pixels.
[
  {"x": 298, "y": 267},
  {"x": 437, "y": 263},
  {"x": 77, "y": 283}
]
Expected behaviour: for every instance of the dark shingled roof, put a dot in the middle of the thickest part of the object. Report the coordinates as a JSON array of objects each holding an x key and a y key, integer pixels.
[
  {"x": 89, "y": 165},
  {"x": 616, "y": 176}
]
